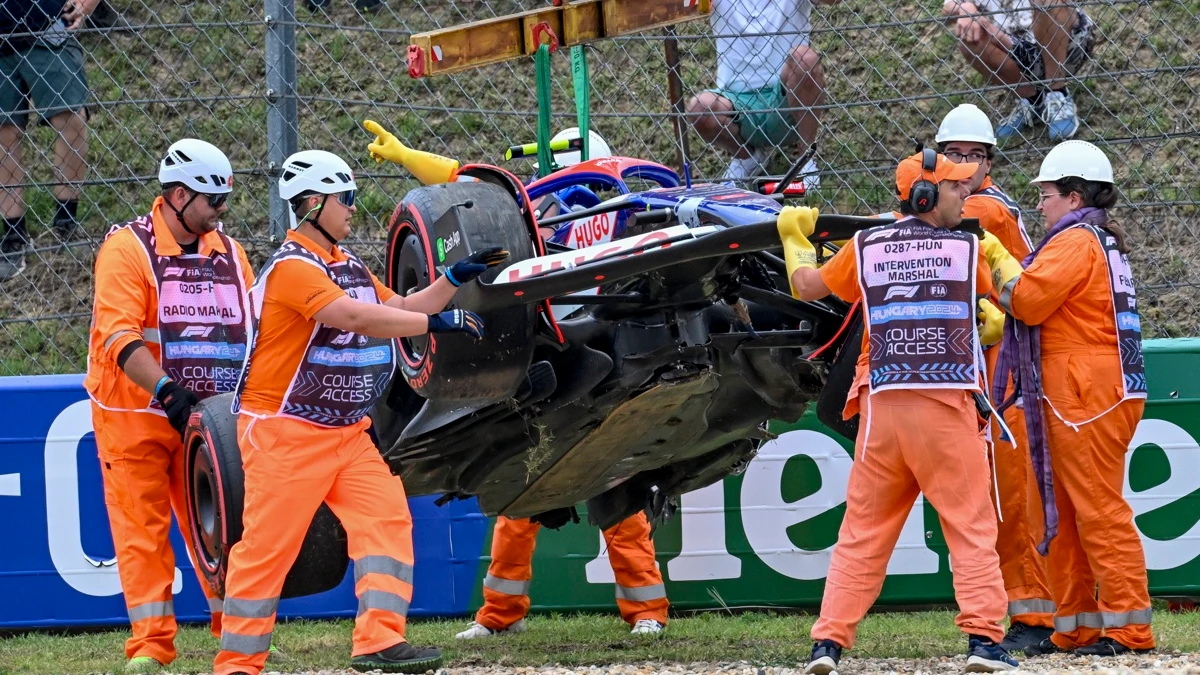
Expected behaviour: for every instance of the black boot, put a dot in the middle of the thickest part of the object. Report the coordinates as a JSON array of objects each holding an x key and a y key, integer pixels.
[
  {"x": 401, "y": 658},
  {"x": 1107, "y": 646},
  {"x": 1021, "y": 635},
  {"x": 1044, "y": 647}
]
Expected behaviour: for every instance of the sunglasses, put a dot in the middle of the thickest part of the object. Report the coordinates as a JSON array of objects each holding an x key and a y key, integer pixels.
[
  {"x": 346, "y": 198},
  {"x": 214, "y": 201}
]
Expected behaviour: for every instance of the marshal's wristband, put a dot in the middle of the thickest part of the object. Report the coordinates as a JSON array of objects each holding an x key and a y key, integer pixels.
[{"x": 158, "y": 387}]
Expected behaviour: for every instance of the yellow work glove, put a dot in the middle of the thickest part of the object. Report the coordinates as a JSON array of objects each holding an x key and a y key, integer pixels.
[
  {"x": 991, "y": 323},
  {"x": 796, "y": 224},
  {"x": 1005, "y": 268},
  {"x": 427, "y": 167}
]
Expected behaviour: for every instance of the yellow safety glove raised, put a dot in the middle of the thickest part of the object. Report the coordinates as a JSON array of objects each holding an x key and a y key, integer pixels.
[
  {"x": 1005, "y": 268},
  {"x": 991, "y": 323},
  {"x": 796, "y": 224},
  {"x": 427, "y": 167}
]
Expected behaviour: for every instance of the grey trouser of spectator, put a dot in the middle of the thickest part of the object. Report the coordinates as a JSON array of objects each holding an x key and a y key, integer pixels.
[
  {"x": 1028, "y": 53},
  {"x": 52, "y": 76}
]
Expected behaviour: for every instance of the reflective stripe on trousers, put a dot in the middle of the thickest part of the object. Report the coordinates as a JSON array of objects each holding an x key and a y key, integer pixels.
[
  {"x": 150, "y": 610},
  {"x": 241, "y": 608},
  {"x": 1098, "y": 620},
  {"x": 245, "y": 644},
  {"x": 511, "y": 586},
  {"x": 1031, "y": 606},
  {"x": 251, "y": 609},
  {"x": 641, "y": 594},
  {"x": 385, "y": 565},
  {"x": 389, "y": 602},
  {"x": 373, "y": 598}
]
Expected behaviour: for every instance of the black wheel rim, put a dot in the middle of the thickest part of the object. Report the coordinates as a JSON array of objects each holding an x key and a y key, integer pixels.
[
  {"x": 412, "y": 276},
  {"x": 205, "y": 520}
]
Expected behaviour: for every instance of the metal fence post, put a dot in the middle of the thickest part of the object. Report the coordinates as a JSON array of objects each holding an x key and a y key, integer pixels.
[
  {"x": 281, "y": 100},
  {"x": 675, "y": 92}
]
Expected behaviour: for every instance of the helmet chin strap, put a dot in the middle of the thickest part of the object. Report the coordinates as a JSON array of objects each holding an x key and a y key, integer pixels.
[
  {"x": 179, "y": 213},
  {"x": 319, "y": 209}
]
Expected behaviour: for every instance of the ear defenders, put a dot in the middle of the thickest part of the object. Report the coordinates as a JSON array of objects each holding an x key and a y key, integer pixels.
[{"x": 923, "y": 196}]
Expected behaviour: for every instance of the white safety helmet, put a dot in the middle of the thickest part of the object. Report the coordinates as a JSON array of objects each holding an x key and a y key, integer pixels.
[
  {"x": 315, "y": 171},
  {"x": 598, "y": 150},
  {"x": 966, "y": 123},
  {"x": 1075, "y": 158},
  {"x": 197, "y": 164}
]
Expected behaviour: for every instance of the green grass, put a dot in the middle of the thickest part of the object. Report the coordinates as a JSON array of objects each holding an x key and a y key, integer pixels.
[
  {"x": 568, "y": 640},
  {"x": 890, "y": 74},
  {"x": 41, "y": 346}
]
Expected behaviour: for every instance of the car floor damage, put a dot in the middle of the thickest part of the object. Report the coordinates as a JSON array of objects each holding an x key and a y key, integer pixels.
[
  {"x": 619, "y": 374},
  {"x": 677, "y": 344}
]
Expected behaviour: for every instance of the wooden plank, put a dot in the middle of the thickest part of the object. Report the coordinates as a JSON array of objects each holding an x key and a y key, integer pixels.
[
  {"x": 582, "y": 22},
  {"x": 471, "y": 45},
  {"x": 550, "y": 16},
  {"x": 480, "y": 43},
  {"x": 622, "y": 17}
]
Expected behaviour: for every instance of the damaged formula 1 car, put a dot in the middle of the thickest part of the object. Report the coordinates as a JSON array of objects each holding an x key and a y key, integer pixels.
[{"x": 635, "y": 349}]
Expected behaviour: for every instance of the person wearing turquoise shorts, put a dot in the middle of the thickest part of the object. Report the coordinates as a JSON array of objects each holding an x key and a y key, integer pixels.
[{"x": 769, "y": 82}]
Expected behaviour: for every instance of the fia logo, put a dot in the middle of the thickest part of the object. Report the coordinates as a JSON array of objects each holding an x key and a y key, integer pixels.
[{"x": 938, "y": 290}]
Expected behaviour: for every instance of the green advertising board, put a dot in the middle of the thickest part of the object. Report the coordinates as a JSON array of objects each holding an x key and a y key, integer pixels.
[{"x": 764, "y": 538}]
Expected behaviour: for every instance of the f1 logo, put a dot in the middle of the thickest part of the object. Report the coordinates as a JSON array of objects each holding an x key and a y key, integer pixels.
[
  {"x": 880, "y": 233},
  {"x": 196, "y": 331},
  {"x": 343, "y": 339},
  {"x": 905, "y": 291}
]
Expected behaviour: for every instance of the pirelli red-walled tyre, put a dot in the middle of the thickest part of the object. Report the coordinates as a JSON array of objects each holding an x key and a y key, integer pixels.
[
  {"x": 832, "y": 398},
  {"x": 215, "y": 496},
  {"x": 433, "y": 228}
]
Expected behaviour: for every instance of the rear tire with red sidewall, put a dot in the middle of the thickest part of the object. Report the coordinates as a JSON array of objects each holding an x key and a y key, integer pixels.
[
  {"x": 216, "y": 489},
  {"x": 832, "y": 399},
  {"x": 434, "y": 227}
]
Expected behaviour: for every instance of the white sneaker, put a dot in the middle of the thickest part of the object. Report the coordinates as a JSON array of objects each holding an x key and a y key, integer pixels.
[
  {"x": 646, "y": 627},
  {"x": 745, "y": 169},
  {"x": 478, "y": 630},
  {"x": 1019, "y": 122},
  {"x": 1060, "y": 117}
]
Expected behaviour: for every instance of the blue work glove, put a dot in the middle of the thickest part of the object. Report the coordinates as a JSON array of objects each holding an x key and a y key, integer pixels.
[
  {"x": 475, "y": 264},
  {"x": 456, "y": 321}
]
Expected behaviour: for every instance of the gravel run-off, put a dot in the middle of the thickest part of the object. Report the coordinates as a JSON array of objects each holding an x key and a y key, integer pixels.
[{"x": 1154, "y": 663}]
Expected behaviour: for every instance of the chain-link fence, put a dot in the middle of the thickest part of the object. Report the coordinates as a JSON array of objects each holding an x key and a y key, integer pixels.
[{"x": 222, "y": 71}]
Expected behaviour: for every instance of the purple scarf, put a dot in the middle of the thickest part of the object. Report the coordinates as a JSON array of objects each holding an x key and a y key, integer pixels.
[{"x": 1021, "y": 359}]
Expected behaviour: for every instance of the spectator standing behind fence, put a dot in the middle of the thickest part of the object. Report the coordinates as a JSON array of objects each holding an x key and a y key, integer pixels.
[
  {"x": 41, "y": 60},
  {"x": 764, "y": 63},
  {"x": 1031, "y": 48}
]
